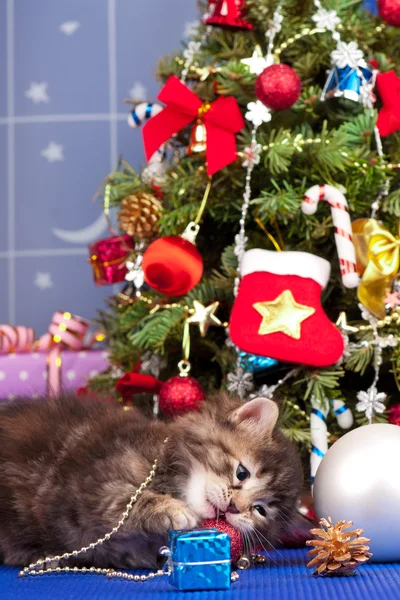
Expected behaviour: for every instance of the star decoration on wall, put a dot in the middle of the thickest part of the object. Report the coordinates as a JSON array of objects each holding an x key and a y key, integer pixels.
[
  {"x": 204, "y": 316},
  {"x": 138, "y": 91},
  {"x": 257, "y": 62},
  {"x": 388, "y": 85},
  {"x": 53, "y": 152},
  {"x": 69, "y": 27},
  {"x": 283, "y": 315},
  {"x": 43, "y": 281},
  {"x": 37, "y": 92}
]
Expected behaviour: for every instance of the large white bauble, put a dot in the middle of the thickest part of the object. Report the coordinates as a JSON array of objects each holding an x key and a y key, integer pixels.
[{"x": 359, "y": 480}]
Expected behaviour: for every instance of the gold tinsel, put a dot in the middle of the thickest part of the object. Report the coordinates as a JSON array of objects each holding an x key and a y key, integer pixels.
[
  {"x": 139, "y": 215},
  {"x": 337, "y": 552}
]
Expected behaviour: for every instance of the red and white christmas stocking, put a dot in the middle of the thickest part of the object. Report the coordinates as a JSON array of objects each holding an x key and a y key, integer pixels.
[{"x": 278, "y": 312}]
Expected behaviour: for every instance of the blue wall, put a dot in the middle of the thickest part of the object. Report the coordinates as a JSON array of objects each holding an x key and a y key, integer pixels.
[{"x": 60, "y": 137}]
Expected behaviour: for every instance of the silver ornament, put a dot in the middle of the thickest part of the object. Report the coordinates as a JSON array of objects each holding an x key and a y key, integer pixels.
[
  {"x": 240, "y": 382},
  {"x": 371, "y": 402},
  {"x": 358, "y": 480}
]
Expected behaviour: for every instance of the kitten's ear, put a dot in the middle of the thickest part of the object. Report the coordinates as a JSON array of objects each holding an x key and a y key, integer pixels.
[{"x": 260, "y": 413}]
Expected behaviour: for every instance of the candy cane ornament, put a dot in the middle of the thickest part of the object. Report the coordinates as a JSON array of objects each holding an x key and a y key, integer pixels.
[
  {"x": 343, "y": 231},
  {"x": 343, "y": 414},
  {"x": 143, "y": 112},
  {"x": 319, "y": 436}
]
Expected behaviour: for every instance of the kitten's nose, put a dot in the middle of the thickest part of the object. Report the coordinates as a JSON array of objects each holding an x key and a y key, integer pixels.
[{"x": 232, "y": 508}]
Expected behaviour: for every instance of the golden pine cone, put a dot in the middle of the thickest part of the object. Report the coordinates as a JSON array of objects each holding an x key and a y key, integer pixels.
[
  {"x": 139, "y": 215},
  {"x": 337, "y": 552}
]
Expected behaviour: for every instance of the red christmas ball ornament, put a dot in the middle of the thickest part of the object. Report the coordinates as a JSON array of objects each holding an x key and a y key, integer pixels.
[
  {"x": 234, "y": 534},
  {"x": 172, "y": 265},
  {"x": 389, "y": 11},
  {"x": 179, "y": 395},
  {"x": 278, "y": 87}
]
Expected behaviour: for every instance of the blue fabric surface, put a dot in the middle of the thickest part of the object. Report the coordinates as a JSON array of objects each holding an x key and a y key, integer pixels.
[{"x": 284, "y": 577}]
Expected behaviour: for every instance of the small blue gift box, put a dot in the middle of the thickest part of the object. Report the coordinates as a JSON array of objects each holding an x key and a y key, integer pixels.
[{"x": 200, "y": 559}]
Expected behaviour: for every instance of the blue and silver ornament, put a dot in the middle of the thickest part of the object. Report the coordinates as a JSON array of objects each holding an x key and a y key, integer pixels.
[
  {"x": 251, "y": 363},
  {"x": 350, "y": 77}
]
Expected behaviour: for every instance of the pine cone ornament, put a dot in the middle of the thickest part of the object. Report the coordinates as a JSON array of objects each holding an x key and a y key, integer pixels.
[
  {"x": 139, "y": 214},
  {"x": 337, "y": 552}
]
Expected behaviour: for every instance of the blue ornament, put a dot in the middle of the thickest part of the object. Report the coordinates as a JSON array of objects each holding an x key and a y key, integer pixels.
[
  {"x": 252, "y": 363},
  {"x": 346, "y": 82},
  {"x": 200, "y": 559}
]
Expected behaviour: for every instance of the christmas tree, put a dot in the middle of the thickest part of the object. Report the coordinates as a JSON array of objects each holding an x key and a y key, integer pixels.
[{"x": 260, "y": 242}]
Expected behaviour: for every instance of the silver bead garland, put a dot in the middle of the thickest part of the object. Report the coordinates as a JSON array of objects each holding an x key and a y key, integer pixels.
[{"x": 40, "y": 566}]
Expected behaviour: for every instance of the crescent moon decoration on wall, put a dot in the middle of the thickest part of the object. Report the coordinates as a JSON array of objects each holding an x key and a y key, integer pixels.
[{"x": 85, "y": 235}]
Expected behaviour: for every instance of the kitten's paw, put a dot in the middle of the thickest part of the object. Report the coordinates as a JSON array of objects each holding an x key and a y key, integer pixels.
[{"x": 179, "y": 516}]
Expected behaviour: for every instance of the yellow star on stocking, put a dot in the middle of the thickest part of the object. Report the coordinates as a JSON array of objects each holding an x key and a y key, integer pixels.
[
  {"x": 204, "y": 316},
  {"x": 283, "y": 315}
]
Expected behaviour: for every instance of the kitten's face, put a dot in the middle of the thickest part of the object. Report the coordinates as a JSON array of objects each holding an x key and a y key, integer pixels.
[{"x": 240, "y": 466}]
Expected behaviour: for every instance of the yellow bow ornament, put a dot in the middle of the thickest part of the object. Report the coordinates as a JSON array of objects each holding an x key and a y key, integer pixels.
[{"x": 378, "y": 261}]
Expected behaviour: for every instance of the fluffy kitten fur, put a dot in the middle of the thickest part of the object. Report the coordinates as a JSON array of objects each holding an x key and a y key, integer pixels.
[{"x": 68, "y": 468}]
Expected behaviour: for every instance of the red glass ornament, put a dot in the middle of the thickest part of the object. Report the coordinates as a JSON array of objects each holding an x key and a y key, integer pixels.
[
  {"x": 278, "y": 87},
  {"x": 108, "y": 259},
  {"x": 179, "y": 395},
  {"x": 172, "y": 265},
  {"x": 389, "y": 11},
  {"x": 229, "y": 15},
  {"x": 234, "y": 534},
  {"x": 137, "y": 383}
]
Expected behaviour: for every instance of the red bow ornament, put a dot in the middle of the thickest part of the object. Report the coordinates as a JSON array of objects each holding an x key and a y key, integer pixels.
[{"x": 222, "y": 120}]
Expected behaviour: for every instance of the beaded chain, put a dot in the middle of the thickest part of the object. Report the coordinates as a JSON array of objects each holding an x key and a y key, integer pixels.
[{"x": 40, "y": 567}]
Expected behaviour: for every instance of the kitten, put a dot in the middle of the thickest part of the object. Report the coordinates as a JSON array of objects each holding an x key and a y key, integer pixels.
[{"x": 68, "y": 468}]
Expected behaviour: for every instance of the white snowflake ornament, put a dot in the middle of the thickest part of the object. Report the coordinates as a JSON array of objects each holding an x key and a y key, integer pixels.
[
  {"x": 240, "y": 383},
  {"x": 265, "y": 391},
  {"x": 326, "y": 19},
  {"x": 371, "y": 402},
  {"x": 252, "y": 154},
  {"x": 275, "y": 25},
  {"x": 347, "y": 55},
  {"x": 153, "y": 363},
  {"x": 257, "y": 113},
  {"x": 240, "y": 245}
]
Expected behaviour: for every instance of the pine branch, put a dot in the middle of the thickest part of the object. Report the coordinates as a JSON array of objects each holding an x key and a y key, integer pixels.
[
  {"x": 155, "y": 330},
  {"x": 320, "y": 382}
]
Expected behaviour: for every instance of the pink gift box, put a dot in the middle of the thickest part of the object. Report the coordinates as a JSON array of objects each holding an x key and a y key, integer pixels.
[{"x": 25, "y": 373}]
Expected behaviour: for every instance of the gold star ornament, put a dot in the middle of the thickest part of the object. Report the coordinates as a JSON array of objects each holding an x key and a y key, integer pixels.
[
  {"x": 204, "y": 316},
  {"x": 283, "y": 315},
  {"x": 343, "y": 324}
]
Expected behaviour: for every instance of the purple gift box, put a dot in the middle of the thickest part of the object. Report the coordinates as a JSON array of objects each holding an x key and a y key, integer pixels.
[{"x": 25, "y": 374}]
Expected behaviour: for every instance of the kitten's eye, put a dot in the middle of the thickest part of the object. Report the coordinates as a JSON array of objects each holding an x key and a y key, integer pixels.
[
  {"x": 242, "y": 473},
  {"x": 260, "y": 509}
]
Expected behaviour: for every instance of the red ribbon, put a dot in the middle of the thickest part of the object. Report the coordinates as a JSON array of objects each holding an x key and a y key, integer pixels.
[
  {"x": 222, "y": 120},
  {"x": 66, "y": 331}
]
